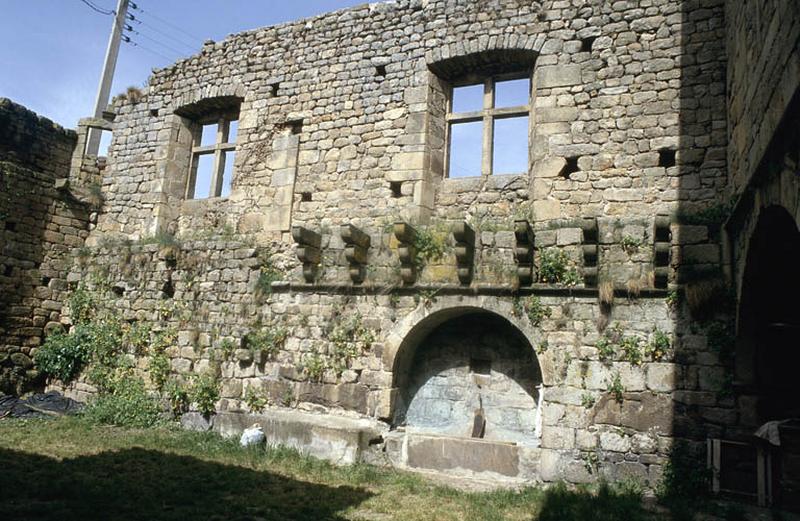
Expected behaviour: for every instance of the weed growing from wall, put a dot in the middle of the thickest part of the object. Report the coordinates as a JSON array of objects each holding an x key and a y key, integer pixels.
[
  {"x": 266, "y": 340},
  {"x": 615, "y": 388},
  {"x": 555, "y": 267},
  {"x": 255, "y": 400},
  {"x": 532, "y": 307},
  {"x": 659, "y": 345},
  {"x": 429, "y": 246}
]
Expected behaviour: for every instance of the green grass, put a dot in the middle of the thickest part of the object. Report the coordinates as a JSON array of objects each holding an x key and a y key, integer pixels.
[{"x": 69, "y": 468}]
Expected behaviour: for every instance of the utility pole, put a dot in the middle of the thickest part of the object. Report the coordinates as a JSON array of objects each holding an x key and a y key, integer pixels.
[{"x": 104, "y": 91}]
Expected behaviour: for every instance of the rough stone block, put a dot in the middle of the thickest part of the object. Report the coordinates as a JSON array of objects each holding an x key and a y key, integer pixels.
[{"x": 558, "y": 76}]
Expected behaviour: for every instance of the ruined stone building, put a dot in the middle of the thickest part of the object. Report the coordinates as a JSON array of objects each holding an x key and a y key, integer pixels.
[{"x": 537, "y": 240}]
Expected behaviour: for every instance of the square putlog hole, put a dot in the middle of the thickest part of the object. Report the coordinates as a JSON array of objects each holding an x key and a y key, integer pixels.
[
  {"x": 666, "y": 158},
  {"x": 396, "y": 188},
  {"x": 305, "y": 197}
]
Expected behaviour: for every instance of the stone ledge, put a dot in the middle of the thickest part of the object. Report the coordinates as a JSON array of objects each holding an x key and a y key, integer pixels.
[{"x": 338, "y": 439}]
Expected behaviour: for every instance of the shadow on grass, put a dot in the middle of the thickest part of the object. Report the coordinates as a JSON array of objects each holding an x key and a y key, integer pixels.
[
  {"x": 144, "y": 484},
  {"x": 609, "y": 503}
]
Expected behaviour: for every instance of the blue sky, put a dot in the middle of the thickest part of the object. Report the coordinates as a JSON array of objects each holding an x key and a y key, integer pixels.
[{"x": 51, "y": 51}]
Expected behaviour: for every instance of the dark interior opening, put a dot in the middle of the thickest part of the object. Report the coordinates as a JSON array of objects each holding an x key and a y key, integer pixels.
[
  {"x": 11, "y": 226},
  {"x": 666, "y": 158},
  {"x": 570, "y": 167},
  {"x": 397, "y": 188},
  {"x": 586, "y": 43},
  {"x": 768, "y": 349},
  {"x": 305, "y": 197},
  {"x": 167, "y": 290}
]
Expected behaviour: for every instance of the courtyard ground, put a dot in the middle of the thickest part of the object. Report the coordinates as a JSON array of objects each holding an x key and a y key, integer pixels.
[{"x": 68, "y": 468}]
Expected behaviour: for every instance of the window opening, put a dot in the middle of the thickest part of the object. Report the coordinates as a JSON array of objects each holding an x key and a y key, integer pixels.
[
  {"x": 488, "y": 127},
  {"x": 213, "y": 157}
]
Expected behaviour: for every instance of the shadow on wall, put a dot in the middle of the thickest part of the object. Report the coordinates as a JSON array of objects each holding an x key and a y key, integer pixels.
[
  {"x": 145, "y": 484},
  {"x": 471, "y": 362}
]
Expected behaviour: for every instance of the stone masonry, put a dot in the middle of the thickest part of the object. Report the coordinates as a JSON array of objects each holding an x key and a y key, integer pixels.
[{"x": 342, "y": 121}]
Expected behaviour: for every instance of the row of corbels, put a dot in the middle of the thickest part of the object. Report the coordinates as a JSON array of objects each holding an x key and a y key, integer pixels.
[{"x": 357, "y": 244}]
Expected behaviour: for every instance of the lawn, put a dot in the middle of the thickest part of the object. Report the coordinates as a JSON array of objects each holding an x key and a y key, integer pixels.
[{"x": 68, "y": 468}]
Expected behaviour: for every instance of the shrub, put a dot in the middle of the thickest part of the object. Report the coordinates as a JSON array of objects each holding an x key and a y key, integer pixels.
[
  {"x": 204, "y": 392},
  {"x": 127, "y": 405},
  {"x": 64, "y": 355},
  {"x": 177, "y": 397}
]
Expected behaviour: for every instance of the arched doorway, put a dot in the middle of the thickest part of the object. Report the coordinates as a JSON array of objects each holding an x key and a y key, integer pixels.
[
  {"x": 768, "y": 346},
  {"x": 469, "y": 373}
]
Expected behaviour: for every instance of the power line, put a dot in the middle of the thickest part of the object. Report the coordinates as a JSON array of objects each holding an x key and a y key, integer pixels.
[
  {"x": 157, "y": 42},
  {"x": 170, "y": 24},
  {"x": 93, "y": 7},
  {"x": 127, "y": 40},
  {"x": 177, "y": 40}
]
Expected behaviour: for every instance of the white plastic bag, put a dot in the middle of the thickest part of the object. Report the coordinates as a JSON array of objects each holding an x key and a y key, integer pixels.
[{"x": 252, "y": 436}]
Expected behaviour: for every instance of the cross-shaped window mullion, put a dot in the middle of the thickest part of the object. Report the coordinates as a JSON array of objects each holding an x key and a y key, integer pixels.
[{"x": 488, "y": 126}]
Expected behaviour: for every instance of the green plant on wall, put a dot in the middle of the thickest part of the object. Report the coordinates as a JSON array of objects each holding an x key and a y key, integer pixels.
[
  {"x": 429, "y": 246},
  {"x": 314, "y": 365},
  {"x": 268, "y": 273},
  {"x": 605, "y": 349},
  {"x": 630, "y": 346},
  {"x": 630, "y": 244},
  {"x": 659, "y": 345},
  {"x": 255, "y": 400},
  {"x": 615, "y": 387},
  {"x": 532, "y": 307},
  {"x": 349, "y": 339},
  {"x": 204, "y": 392},
  {"x": 555, "y": 267},
  {"x": 267, "y": 339}
]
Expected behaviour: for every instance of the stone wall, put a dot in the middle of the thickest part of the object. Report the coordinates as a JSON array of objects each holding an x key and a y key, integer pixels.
[
  {"x": 341, "y": 121},
  {"x": 38, "y": 227},
  {"x": 763, "y": 45}
]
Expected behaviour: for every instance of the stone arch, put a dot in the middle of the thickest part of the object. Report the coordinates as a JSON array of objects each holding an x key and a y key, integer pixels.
[
  {"x": 412, "y": 336},
  {"x": 493, "y": 55},
  {"x": 767, "y": 351},
  {"x": 188, "y": 100}
]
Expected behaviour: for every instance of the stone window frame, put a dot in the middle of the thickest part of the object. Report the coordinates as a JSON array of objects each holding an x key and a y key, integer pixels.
[
  {"x": 487, "y": 115},
  {"x": 220, "y": 147}
]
